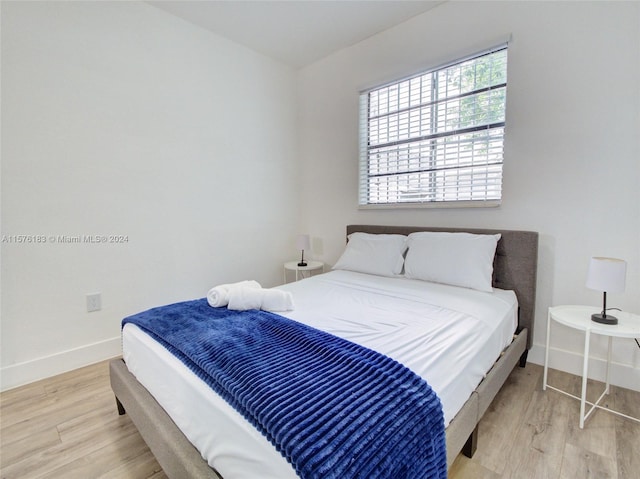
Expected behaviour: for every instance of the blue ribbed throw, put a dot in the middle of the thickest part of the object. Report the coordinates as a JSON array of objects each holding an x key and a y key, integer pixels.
[{"x": 334, "y": 409}]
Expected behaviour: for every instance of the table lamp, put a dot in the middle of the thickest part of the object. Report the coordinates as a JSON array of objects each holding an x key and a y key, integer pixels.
[
  {"x": 303, "y": 242},
  {"x": 606, "y": 275}
]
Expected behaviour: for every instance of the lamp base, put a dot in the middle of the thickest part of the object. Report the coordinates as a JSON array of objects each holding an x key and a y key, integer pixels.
[
  {"x": 604, "y": 319},
  {"x": 302, "y": 263}
]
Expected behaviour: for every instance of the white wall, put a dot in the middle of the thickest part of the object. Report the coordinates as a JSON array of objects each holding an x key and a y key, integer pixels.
[
  {"x": 120, "y": 119},
  {"x": 572, "y": 148}
]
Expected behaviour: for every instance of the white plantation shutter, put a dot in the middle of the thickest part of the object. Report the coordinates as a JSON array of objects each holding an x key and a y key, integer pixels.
[{"x": 436, "y": 137}]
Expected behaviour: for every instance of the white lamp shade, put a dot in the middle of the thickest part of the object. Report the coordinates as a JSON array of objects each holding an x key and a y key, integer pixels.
[
  {"x": 607, "y": 274},
  {"x": 303, "y": 242}
]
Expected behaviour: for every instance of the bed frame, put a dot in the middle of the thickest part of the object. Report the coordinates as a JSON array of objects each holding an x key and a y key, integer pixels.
[{"x": 515, "y": 268}]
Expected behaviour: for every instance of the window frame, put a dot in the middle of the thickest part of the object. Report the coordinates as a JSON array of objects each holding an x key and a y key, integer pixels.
[{"x": 364, "y": 196}]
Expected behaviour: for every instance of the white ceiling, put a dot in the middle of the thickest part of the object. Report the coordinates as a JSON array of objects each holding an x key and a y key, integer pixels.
[{"x": 296, "y": 32}]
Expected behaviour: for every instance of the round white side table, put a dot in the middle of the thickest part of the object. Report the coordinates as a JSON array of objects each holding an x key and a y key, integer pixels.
[
  {"x": 311, "y": 267},
  {"x": 579, "y": 317}
]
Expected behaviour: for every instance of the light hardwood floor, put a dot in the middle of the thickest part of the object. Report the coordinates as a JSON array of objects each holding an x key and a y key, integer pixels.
[{"x": 68, "y": 427}]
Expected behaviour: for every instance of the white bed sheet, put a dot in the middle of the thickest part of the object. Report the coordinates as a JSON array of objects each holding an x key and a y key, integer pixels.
[{"x": 450, "y": 336}]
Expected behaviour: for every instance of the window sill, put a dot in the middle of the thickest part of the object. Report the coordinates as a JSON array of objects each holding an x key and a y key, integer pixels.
[{"x": 432, "y": 204}]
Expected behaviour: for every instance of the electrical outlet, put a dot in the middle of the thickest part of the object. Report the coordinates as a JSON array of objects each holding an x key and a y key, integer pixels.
[{"x": 94, "y": 302}]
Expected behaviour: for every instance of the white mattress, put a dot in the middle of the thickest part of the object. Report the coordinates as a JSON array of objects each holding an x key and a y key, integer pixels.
[{"x": 449, "y": 336}]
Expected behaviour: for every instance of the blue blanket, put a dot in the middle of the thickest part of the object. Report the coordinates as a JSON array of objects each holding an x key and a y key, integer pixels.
[{"x": 334, "y": 409}]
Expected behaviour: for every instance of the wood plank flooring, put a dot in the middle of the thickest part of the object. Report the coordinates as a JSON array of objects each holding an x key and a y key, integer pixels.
[{"x": 68, "y": 427}]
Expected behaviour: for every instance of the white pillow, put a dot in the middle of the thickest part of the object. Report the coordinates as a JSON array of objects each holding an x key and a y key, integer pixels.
[
  {"x": 373, "y": 254},
  {"x": 458, "y": 259}
]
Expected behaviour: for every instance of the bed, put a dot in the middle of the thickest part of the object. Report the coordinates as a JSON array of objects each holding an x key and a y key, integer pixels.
[{"x": 514, "y": 269}]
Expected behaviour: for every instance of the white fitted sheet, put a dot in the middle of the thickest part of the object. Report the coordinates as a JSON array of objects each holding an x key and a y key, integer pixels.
[{"x": 450, "y": 336}]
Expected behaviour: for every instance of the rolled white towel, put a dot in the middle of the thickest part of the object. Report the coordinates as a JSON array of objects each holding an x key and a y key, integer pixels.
[
  {"x": 219, "y": 295},
  {"x": 242, "y": 299},
  {"x": 276, "y": 300}
]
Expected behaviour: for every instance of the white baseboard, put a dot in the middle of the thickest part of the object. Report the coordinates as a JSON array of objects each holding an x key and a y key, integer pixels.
[
  {"x": 29, "y": 371},
  {"x": 622, "y": 375}
]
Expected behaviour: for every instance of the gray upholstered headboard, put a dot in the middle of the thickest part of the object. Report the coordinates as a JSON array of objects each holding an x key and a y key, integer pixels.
[{"x": 515, "y": 265}]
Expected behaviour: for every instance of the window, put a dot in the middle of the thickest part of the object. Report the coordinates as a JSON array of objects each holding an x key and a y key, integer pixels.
[{"x": 436, "y": 137}]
